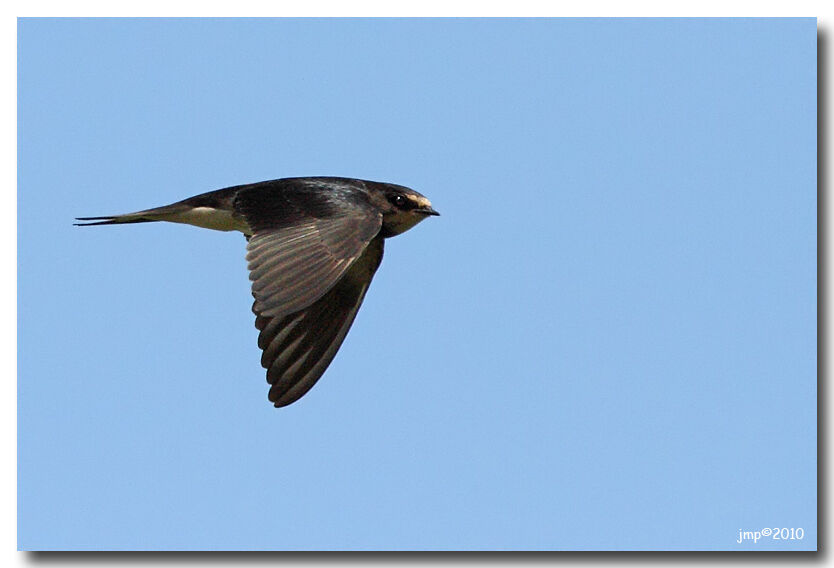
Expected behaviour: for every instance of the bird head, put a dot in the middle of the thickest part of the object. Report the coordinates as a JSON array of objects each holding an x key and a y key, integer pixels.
[{"x": 402, "y": 208}]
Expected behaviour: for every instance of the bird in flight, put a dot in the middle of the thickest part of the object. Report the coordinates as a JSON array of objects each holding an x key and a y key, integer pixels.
[{"x": 313, "y": 246}]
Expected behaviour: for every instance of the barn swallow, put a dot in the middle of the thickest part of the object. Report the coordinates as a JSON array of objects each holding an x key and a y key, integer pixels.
[{"x": 313, "y": 246}]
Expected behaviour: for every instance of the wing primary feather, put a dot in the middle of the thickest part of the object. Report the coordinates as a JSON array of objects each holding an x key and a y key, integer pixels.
[{"x": 298, "y": 347}]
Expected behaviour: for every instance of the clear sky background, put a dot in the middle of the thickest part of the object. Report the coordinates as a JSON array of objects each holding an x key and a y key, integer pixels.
[{"x": 606, "y": 341}]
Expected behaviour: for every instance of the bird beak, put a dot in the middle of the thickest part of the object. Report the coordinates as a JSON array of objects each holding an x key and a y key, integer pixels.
[{"x": 427, "y": 211}]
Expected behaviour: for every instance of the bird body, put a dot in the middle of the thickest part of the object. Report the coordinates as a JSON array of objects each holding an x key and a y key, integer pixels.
[{"x": 313, "y": 247}]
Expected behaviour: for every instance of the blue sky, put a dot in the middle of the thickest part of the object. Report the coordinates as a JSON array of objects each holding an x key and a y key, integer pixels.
[{"x": 607, "y": 340}]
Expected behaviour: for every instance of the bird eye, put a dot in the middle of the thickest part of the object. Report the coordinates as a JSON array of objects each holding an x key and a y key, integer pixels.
[{"x": 399, "y": 200}]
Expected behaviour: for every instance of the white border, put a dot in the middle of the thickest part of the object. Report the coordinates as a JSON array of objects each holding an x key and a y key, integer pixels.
[{"x": 824, "y": 11}]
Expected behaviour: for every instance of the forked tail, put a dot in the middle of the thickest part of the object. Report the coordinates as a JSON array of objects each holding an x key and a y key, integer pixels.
[
  {"x": 111, "y": 220},
  {"x": 213, "y": 210},
  {"x": 165, "y": 213}
]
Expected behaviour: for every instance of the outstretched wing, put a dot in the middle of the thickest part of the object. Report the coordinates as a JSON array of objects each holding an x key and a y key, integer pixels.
[
  {"x": 312, "y": 255},
  {"x": 298, "y": 347}
]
